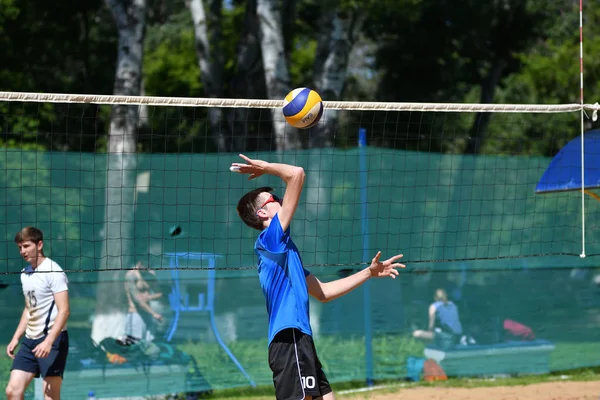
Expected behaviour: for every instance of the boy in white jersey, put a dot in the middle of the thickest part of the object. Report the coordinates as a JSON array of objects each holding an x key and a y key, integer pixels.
[{"x": 44, "y": 321}]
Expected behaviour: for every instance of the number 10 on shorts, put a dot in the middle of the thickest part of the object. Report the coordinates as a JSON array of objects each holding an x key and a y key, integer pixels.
[{"x": 308, "y": 382}]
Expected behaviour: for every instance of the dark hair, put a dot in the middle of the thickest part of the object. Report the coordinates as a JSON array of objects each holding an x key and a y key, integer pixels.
[
  {"x": 247, "y": 207},
  {"x": 29, "y": 233}
]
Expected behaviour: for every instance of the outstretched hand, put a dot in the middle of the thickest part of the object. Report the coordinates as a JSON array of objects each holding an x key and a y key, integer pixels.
[
  {"x": 385, "y": 268},
  {"x": 254, "y": 168}
]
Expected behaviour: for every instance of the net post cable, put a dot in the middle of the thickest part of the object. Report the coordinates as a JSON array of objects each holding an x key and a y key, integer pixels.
[{"x": 582, "y": 112}]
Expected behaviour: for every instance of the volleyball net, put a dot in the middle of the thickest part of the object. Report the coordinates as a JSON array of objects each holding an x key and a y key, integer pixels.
[{"x": 484, "y": 201}]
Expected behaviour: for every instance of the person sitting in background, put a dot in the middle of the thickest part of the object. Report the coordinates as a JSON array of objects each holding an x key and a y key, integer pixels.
[
  {"x": 142, "y": 319},
  {"x": 444, "y": 326}
]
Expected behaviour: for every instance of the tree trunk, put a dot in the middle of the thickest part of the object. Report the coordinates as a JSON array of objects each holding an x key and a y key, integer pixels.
[
  {"x": 119, "y": 242},
  {"x": 482, "y": 119},
  {"x": 276, "y": 71},
  {"x": 144, "y": 114},
  {"x": 337, "y": 36},
  {"x": 210, "y": 61},
  {"x": 288, "y": 22},
  {"x": 249, "y": 80}
]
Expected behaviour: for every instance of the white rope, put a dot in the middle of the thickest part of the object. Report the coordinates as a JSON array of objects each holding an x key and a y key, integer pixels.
[{"x": 256, "y": 103}]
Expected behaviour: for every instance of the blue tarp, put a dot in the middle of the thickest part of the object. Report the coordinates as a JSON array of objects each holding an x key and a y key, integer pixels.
[{"x": 564, "y": 171}]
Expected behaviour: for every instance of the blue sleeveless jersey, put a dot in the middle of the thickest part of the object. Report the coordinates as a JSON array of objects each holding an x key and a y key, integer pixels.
[
  {"x": 447, "y": 315},
  {"x": 283, "y": 280}
]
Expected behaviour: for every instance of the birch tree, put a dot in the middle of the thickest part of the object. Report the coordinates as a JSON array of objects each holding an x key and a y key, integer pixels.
[
  {"x": 276, "y": 68},
  {"x": 211, "y": 61},
  {"x": 338, "y": 30},
  {"x": 248, "y": 81},
  {"x": 118, "y": 233}
]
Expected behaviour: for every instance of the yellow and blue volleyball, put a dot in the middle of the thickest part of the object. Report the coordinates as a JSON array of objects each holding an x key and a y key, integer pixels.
[{"x": 302, "y": 108}]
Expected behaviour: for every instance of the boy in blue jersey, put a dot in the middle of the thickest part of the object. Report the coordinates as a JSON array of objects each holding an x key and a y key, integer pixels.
[{"x": 286, "y": 284}]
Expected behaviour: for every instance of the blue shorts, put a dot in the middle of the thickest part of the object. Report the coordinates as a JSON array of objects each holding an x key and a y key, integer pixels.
[{"x": 53, "y": 365}]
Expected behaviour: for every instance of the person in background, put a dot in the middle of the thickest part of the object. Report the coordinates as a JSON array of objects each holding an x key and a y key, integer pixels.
[
  {"x": 444, "y": 326},
  {"x": 142, "y": 318}
]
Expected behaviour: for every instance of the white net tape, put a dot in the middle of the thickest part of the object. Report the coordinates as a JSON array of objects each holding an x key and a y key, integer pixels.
[{"x": 254, "y": 103}]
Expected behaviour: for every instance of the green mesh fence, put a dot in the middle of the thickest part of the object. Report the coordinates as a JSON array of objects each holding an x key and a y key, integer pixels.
[
  {"x": 432, "y": 207},
  {"x": 470, "y": 225}
]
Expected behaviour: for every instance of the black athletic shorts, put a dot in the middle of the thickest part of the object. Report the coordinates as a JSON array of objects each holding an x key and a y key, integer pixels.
[
  {"x": 297, "y": 371},
  {"x": 53, "y": 365}
]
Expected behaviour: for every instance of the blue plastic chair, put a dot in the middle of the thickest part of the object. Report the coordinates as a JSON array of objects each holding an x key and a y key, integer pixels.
[{"x": 180, "y": 302}]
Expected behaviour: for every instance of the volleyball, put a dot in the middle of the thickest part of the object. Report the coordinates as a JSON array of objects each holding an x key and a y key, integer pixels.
[{"x": 302, "y": 108}]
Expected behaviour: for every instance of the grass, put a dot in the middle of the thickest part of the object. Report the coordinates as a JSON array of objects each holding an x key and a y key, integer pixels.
[
  {"x": 5, "y": 364},
  {"x": 343, "y": 360},
  {"x": 336, "y": 354}
]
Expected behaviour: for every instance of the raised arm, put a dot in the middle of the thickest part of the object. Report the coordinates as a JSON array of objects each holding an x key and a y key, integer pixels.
[
  {"x": 294, "y": 181},
  {"x": 328, "y": 291},
  {"x": 293, "y": 177}
]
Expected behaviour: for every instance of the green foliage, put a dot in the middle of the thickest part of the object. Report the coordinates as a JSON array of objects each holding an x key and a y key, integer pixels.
[
  {"x": 171, "y": 70},
  {"x": 68, "y": 47},
  {"x": 170, "y": 64},
  {"x": 301, "y": 61},
  {"x": 548, "y": 75},
  {"x": 413, "y": 50},
  {"x": 55, "y": 47},
  {"x": 8, "y": 12},
  {"x": 232, "y": 22}
]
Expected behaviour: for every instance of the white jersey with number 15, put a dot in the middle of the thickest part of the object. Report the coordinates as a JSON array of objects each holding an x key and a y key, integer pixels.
[{"x": 39, "y": 287}]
